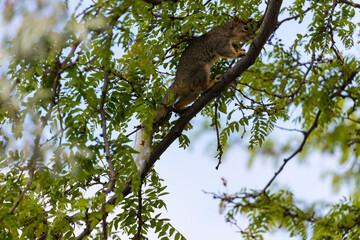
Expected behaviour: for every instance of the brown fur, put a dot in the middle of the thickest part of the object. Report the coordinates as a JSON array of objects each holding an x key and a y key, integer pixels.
[{"x": 193, "y": 71}]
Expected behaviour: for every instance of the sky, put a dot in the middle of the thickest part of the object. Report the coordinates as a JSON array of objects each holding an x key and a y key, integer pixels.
[{"x": 188, "y": 173}]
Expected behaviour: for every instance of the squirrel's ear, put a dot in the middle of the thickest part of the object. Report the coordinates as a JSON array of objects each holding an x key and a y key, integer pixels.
[{"x": 235, "y": 21}]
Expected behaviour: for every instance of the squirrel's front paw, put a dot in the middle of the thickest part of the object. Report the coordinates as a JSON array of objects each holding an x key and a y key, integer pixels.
[{"x": 240, "y": 53}]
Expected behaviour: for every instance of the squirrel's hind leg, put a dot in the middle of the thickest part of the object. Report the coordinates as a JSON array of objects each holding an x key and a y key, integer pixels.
[
  {"x": 185, "y": 100},
  {"x": 212, "y": 82}
]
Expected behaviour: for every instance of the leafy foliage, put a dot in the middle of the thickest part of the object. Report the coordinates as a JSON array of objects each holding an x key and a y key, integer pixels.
[{"x": 77, "y": 76}]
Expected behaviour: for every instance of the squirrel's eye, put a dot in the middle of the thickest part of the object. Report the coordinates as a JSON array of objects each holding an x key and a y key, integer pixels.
[{"x": 246, "y": 28}]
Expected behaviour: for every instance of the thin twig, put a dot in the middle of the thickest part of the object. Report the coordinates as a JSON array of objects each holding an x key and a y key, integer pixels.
[
  {"x": 168, "y": 16},
  {"x": 27, "y": 187},
  {"x": 207, "y": 3},
  {"x": 345, "y": 83},
  {"x": 139, "y": 216},
  {"x": 122, "y": 77},
  {"x": 293, "y": 17},
  {"x": 104, "y": 222},
  {"x": 60, "y": 118},
  {"x": 352, "y": 120},
  {"x": 137, "y": 128},
  {"x": 242, "y": 112},
  {"x": 328, "y": 27},
  {"x": 248, "y": 235},
  {"x": 333, "y": 46},
  {"x": 298, "y": 150},
  {"x": 104, "y": 133},
  {"x": 175, "y": 45},
  {"x": 102, "y": 111},
  {"x": 219, "y": 146},
  {"x": 33, "y": 159},
  {"x": 87, "y": 230},
  {"x": 289, "y": 129},
  {"x": 350, "y": 3},
  {"x": 308, "y": 132}
]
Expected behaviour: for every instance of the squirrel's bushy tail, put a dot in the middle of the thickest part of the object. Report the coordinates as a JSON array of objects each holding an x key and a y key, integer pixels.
[
  {"x": 143, "y": 146},
  {"x": 164, "y": 109}
]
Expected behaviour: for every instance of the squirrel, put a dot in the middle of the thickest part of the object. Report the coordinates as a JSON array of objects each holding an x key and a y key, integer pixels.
[{"x": 193, "y": 73}]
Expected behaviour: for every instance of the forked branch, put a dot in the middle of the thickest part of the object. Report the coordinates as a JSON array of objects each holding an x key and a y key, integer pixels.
[{"x": 298, "y": 150}]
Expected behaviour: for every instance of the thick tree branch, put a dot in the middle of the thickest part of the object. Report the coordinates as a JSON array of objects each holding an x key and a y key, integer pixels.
[{"x": 267, "y": 28}]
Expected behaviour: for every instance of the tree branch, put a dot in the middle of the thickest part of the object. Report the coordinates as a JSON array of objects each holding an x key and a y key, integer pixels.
[
  {"x": 267, "y": 28},
  {"x": 345, "y": 83},
  {"x": 27, "y": 187},
  {"x": 104, "y": 133},
  {"x": 350, "y": 3},
  {"x": 298, "y": 150},
  {"x": 104, "y": 222},
  {"x": 328, "y": 27},
  {"x": 158, "y": 2},
  {"x": 139, "y": 216},
  {"x": 34, "y": 157},
  {"x": 219, "y": 146},
  {"x": 293, "y": 17},
  {"x": 308, "y": 132}
]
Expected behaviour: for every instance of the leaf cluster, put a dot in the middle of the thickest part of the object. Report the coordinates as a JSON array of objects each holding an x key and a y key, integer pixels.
[{"x": 77, "y": 78}]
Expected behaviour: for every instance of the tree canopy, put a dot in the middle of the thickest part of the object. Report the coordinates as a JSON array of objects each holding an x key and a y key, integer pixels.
[{"x": 78, "y": 78}]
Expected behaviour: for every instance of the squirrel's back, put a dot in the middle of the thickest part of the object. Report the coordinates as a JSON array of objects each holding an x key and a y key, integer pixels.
[{"x": 201, "y": 50}]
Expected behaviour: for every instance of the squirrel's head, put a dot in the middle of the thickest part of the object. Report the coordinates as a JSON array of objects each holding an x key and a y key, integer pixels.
[{"x": 242, "y": 30}]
